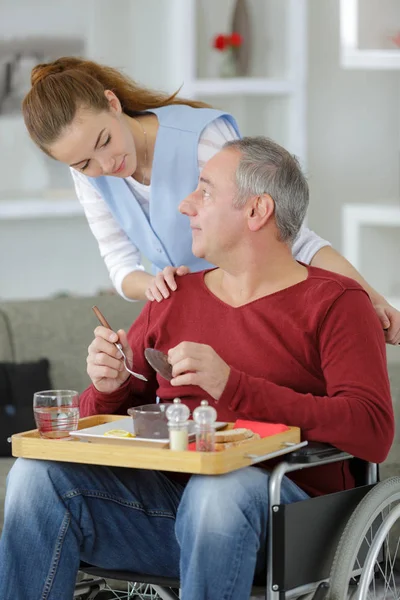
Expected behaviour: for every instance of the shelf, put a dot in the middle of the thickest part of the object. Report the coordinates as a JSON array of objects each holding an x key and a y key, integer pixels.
[
  {"x": 247, "y": 86},
  {"x": 370, "y": 261},
  {"x": 371, "y": 214},
  {"x": 354, "y": 216},
  {"x": 39, "y": 209},
  {"x": 388, "y": 60},
  {"x": 354, "y": 57}
]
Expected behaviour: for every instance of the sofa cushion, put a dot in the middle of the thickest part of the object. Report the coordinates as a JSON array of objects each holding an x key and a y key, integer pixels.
[
  {"x": 18, "y": 383},
  {"x": 6, "y": 347},
  {"x": 61, "y": 329}
]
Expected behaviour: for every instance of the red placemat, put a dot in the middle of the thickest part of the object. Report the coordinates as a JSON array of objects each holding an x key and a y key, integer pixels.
[{"x": 263, "y": 429}]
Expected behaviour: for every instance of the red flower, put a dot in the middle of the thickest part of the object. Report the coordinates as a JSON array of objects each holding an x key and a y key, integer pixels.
[
  {"x": 396, "y": 39},
  {"x": 236, "y": 39},
  {"x": 222, "y": 42}
]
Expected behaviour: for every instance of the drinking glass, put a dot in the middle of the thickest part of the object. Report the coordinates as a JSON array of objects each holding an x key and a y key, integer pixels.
[{"x": 56, "y": 412}]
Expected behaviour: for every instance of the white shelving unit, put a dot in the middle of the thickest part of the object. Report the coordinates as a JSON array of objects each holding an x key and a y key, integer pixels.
[
  {"x": 356, "y": 218},
  {"x": 364, "y": 27},
  {"x": 277, "y": 95},
  {"x": 254, "y": 86},
  {"x": 352, "y": 55},
  {"x": 39, "y": 209}
]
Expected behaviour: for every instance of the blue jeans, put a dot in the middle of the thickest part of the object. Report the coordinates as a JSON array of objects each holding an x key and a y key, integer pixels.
[{"x": 211, "y": 532}]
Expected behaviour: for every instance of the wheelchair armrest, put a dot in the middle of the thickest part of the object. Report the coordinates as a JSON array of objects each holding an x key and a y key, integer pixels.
[{"x": 315, "y": 452}]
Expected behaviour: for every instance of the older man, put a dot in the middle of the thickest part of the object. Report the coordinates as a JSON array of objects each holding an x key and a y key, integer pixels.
[{"x": 261, "y": 337}]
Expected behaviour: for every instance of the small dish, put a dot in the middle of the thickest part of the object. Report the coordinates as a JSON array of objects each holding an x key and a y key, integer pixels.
[{"x": 150, "y": 420}]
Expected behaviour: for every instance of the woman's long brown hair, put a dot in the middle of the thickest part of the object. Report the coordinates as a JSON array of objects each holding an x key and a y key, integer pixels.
[{"x": 60, "y": 88}]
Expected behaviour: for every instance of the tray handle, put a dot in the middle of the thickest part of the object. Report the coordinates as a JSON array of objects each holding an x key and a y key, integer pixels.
[{"x": 286, "y": 447}]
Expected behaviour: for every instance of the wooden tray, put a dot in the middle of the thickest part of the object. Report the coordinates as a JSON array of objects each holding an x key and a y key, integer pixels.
[{"x": 30, "y": 445}]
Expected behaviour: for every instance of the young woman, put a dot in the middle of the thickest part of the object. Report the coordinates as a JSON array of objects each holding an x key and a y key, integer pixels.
[{"x": 134, "y": 155}]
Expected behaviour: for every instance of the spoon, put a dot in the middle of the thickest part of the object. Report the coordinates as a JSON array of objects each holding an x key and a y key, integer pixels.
[
  {"x": 104, "y": 322},
  {"x": 159, "y": 361}
]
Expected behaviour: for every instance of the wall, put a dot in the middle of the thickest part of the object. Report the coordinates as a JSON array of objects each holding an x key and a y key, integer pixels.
[
  {"x": 353, "y": 143},
  {"x": 353, "y": 128}
]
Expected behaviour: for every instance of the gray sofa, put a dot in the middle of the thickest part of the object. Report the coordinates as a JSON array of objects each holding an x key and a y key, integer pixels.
[{"x": 59, "y": 329}]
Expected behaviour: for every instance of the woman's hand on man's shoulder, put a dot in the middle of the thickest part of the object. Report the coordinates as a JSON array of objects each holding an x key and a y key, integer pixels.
[{"x": 164, "y": 282}]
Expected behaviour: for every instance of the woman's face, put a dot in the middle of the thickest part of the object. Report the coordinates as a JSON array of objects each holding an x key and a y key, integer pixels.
[{"x": 98, "y": 143}]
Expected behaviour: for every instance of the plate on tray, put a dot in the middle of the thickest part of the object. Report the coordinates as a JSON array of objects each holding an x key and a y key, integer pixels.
[{"x": 96, "y": 433}]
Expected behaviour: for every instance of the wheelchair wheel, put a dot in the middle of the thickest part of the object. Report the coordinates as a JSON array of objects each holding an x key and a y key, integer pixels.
[{"x": 367, "y": 559}]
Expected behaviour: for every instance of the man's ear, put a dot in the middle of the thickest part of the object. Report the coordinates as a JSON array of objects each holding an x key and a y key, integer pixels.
[
  {"x": 259, "y": 211},
  {"x": 114, "y": 103}
]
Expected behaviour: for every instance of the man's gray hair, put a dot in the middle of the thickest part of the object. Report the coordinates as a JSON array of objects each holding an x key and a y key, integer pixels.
[{"x": 267, "y": 168}]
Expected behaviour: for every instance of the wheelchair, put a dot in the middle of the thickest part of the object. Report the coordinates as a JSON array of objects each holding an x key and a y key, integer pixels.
[{"x": 333, "y": 547}]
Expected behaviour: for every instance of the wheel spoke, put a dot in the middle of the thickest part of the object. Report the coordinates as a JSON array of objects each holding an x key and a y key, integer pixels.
[{"x": 368, "y": 547}]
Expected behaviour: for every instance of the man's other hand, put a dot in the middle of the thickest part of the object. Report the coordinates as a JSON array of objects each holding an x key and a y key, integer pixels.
[{"x": 198, "y": 364}]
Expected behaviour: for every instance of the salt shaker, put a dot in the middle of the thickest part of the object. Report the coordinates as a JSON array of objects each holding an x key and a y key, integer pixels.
[
  {"x": 178, "y": 415},
  {"x": 205, "y": 416}
]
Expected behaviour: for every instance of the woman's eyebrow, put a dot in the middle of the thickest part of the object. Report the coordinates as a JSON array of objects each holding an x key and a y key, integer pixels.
[{"x": 95, "y": 147}]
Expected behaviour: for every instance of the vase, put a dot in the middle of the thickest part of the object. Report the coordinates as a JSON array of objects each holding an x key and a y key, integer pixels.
[
  {"x": 228, "y": 65},
  {"x": 241, "y": 24}
]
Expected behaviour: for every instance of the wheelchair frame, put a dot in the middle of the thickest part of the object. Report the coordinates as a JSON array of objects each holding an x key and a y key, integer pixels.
[
  {"x": 297, "y": 563},
  {"x": 289, "y": 569}
]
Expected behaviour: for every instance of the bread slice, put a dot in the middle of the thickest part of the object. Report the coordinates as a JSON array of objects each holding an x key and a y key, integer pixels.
[
  {"x": 233, "y": 435},
  {"x": 225, "y": 445}
]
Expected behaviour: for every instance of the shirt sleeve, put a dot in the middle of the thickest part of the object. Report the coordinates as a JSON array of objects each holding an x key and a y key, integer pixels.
[
  {"x": 307, "y": 244},
  {"x": 356, "y": 414},
  {"x": 120, "y": 255},
  {"x": 213, "y": 137}
]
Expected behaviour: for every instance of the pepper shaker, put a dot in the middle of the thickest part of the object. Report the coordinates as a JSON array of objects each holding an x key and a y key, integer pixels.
[
  {"x": 205, "y": 416},
  {"x": 178, "y": 415}
]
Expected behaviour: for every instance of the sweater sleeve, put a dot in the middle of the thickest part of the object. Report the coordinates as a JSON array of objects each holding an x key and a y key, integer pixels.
[
  {"x": 133, "y": 392},
  {"x": 307, "y": 244},
  {"x": 120, "y": 255},
  {"x": 356, "y": 414}
]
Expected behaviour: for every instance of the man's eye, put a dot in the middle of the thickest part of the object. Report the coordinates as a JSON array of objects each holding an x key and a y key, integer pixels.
[
  {"x": 85, "y": 166},
  {"x": 205, "y": 193}
]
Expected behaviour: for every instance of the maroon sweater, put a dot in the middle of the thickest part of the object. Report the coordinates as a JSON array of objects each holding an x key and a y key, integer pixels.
[{"x": 311, "y": 356}]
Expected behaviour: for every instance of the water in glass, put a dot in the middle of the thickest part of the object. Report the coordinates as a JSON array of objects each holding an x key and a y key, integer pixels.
[{"x": 56, "y": 413}]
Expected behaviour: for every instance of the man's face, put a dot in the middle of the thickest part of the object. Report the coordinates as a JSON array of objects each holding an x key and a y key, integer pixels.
[{"x": 217, "y": 227}]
